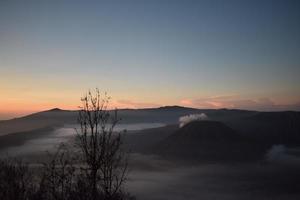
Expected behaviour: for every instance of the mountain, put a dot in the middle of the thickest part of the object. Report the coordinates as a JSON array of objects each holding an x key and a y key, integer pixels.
[
  {"x": 40, "y": 120},
  {"x": 205, "y": 131},
  {"x": 267, "y": 127},
  {"x": 209, "y": 140},
  {"x": 272, "y": 127}
]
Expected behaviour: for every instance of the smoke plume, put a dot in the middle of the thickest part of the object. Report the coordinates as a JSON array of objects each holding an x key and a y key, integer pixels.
[{"x": 190, "y": 118}]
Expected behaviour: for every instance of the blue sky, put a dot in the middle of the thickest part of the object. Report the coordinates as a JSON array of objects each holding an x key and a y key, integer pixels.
[{"x": 149, "y": 53}]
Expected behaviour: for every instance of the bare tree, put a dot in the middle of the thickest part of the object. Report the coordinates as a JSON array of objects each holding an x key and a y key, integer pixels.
[
  {"x": 105, "y": 164},
  {"x": 97, "y": 170},
  {"x": 58, "y": 177}
]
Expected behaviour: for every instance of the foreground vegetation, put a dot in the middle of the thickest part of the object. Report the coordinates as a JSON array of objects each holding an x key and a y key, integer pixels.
[{"x": 94, "y": 168}]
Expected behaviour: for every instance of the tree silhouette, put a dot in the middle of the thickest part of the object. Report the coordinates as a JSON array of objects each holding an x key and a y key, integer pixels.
[
  {"x": 105, "y": 162},
  {"x": 95, "y": 169}
]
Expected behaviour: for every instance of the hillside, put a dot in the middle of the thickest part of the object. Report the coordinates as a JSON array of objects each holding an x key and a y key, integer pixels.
[
  {"x": 36, "y": 121},
  {"x": 209, "y": 140},
  {"x": 271, "y": 127}
]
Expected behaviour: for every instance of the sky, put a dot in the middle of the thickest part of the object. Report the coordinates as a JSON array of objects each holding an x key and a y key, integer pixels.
[{"x": 148, "y": 53}]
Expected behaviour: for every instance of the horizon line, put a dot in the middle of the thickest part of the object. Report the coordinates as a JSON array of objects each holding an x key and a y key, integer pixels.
[{"x": 148, "y": 108}]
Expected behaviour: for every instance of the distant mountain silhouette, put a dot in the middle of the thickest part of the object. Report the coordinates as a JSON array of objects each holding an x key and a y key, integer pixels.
[
  {"x": 175, "y": 108},
  {"x": 266, "y": 127},
  {"x": 55, "y": 110}
]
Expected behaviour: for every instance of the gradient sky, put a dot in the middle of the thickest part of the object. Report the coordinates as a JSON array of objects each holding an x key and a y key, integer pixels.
[{"x": 205, "y": 54}]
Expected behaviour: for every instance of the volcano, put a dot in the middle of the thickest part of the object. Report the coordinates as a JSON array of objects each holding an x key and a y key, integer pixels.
[{"x": 209, "y": 140}]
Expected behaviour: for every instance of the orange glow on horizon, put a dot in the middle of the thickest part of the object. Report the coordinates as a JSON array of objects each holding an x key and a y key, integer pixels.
[{"x": 23, "y": 102}]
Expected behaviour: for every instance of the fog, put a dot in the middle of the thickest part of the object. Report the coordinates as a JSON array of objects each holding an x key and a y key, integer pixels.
[
  {"x": 49, "y": 141},
  {"x": 152, "y": 177},
  {"x": 268, "y": 179},
  {"x": 280, "y": 154}
]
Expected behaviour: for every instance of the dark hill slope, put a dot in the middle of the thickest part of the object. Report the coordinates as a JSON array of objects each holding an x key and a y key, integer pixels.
[
  {"x": 272, "y": 127},
  {"x": 209, "y": 140},
  {"x": 268, "y": 127}
]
